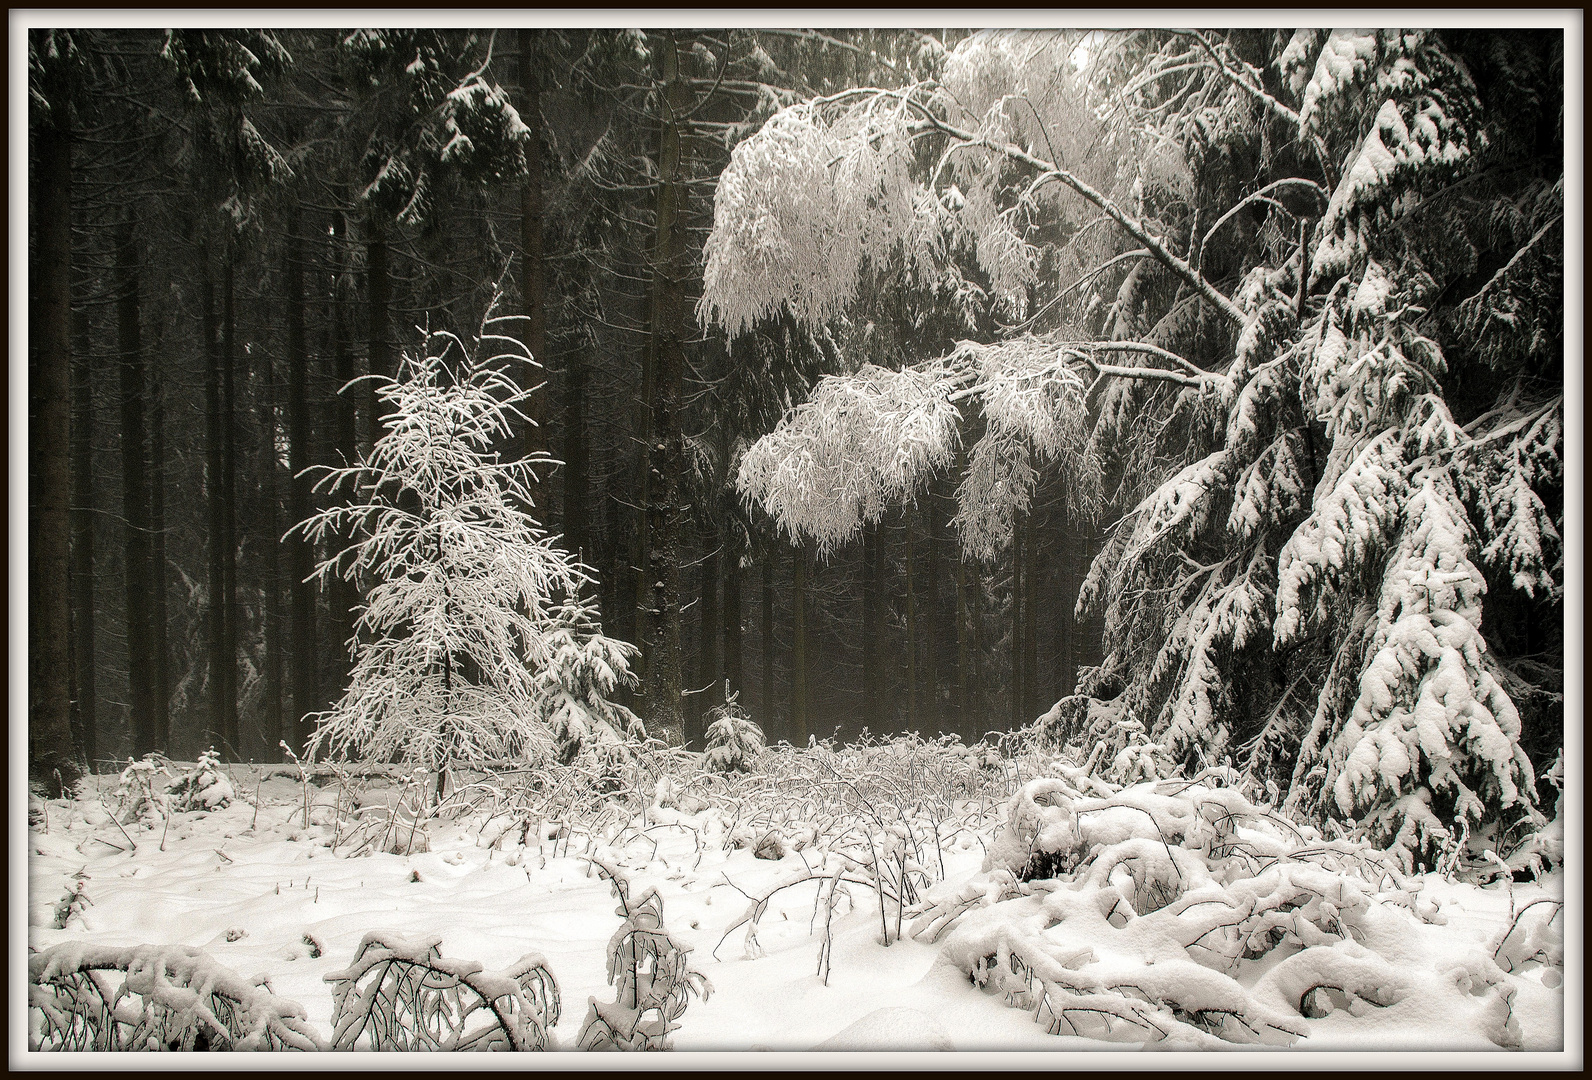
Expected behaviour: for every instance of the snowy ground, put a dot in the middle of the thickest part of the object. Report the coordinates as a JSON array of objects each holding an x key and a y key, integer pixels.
[{"x": 262, "y": 893}]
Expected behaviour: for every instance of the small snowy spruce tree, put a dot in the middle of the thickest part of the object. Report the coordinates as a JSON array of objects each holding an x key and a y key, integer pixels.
[
  {"x": 734, "y": 741},
  {"x": 474, "y": 643}
]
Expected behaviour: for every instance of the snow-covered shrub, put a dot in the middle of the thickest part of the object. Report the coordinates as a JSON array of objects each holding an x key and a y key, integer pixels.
[
  {"x": 1182, "y": 914},
  {"x": 1542, "y": 845},
  {"x": 1117, "y": 746},
  {"x": 648, "y": 970},
  {"x": 734, "y": 742},
  {"x": 469, "y": 601},
  {"x": 155, "y": 997},
  {"x": 73, "y": 903},
  {"x": 136, "y": 792},
  {"x": 400, "y": 993},
  {"x": 204, "y": 787}
]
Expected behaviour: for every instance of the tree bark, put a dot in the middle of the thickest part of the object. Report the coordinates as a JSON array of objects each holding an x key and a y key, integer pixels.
[
  {"x": 1066, "y": 596},
  {"x": 53, "y": 766},
  {"x": 271, "y": 726},
  {"x": 731, "y": 613},
  {"x": 576, "y": 516},
  {"x": 135, "y": 491},
  {"x": 1015, "y": 694},
  {"x": 766, "y": 625},
  {"x": 710, "y": 692},
  {"x": 341, "y": 594},
  {"x": 229, "y": 496},
  {"x": 975, "y": 682},
  {"x": 964, "y": 672},
  {"x": 798, "y": 674},
  {"x": 86, "y": 711},
  {"x": 912, "y": 629},
  {"x": 933, "y": 713},
  {"x": 664, "y": 458},
  {"x": 159, "y": 646},
  {"x": 215, "y": 527},
  {"x": 534, "y": 440},
  {"x": 872, "y": 630},
  {"x": 379, "y": 299},
  {"x": 300, "y": 554},
  {"x": 1030, "y": 618}
]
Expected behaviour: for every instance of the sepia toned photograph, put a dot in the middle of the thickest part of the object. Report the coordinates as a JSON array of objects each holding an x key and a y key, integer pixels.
[{"x": 1008, "y": 541}]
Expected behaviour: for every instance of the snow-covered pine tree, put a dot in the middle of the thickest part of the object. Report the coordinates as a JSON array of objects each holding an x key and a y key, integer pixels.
[
  {"x": 1323, "y": 413},
  {"x": 431, "y": 116},
  {"x": 734, "y": 741},
  {"x": 474, "y": 643}
]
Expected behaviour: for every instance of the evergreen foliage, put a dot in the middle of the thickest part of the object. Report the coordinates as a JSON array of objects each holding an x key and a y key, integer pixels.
[{"x": 1326, "y": 420}]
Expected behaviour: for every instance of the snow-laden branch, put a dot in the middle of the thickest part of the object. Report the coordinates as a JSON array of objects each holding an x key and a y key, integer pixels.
[
  {"x": 828, "y": 186},
  {"x": 1130, "y": 224}
]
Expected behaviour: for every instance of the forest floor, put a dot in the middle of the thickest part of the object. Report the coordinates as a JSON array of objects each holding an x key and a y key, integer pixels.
[{"x": 262, "y": 892}]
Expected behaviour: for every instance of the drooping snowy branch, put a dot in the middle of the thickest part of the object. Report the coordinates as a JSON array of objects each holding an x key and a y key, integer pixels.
[{"x": 859, "y": 444}]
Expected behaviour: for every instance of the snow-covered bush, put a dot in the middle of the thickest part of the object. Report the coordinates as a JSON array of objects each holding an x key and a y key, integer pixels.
[
  {"x": 400, "y": 993},
  {"x": 1181, "y": 914},
  {"x": 204, "y": 787},
  {"x": 73, "y": 903},
  {"x": 137, "y": 796},
  {"x": 734, "y": 742},
  {"x": 648, "y": 970},
  {"x": 155, "y": 997},
  {"x": 476, "y": 637}
]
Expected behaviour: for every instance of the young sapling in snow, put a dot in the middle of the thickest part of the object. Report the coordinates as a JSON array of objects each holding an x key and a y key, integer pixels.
[
  {"x": 477, "y": 638},
  {"x": 734, "y": 742}
]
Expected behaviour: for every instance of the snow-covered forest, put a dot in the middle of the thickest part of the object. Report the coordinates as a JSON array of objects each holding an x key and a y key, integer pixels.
[{"x": 800, "y": 539}]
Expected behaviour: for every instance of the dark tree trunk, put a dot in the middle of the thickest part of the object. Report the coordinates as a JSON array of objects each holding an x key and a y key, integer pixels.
[
  {"x": 766, "y": 626},
  {"x": 341, "y": 594},
  {"x": 731, "y": 558},
  {"x": 707, "y": 673},
  {"x": 1015, "y": 692},
  {"x": 229, "y": 499},
  {"x": 217, "y": 659},
  {"x": 272, "y": 622},
  {"x": 577, "y": 517},
  {"x": 534, "y": 440},
  {"x": 1066, "y": 596},
  {"x": 302, "y": 649},
  {"x": 53, "y": 765},
  {"x": 159, "y": 646},
  {"x": 379, "y": 297},
  {"x": 975, "y": 681},
  {"x": 135, "y": 492},
  {"x": 872, "y": 629},
  {"x": 1030, "y": 619},
  {"x": 663, "y": 375},
  {"x": 964, "y": 650},
  {"x": 934, "y": 713},
  {"x": 86, "y": 711},
  {"x": 912, "y": 629},
  {"x": 798, "y": 672}
]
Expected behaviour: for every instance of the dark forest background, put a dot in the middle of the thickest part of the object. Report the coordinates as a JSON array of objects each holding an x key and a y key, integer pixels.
[{"x": 228, "y": 227}]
